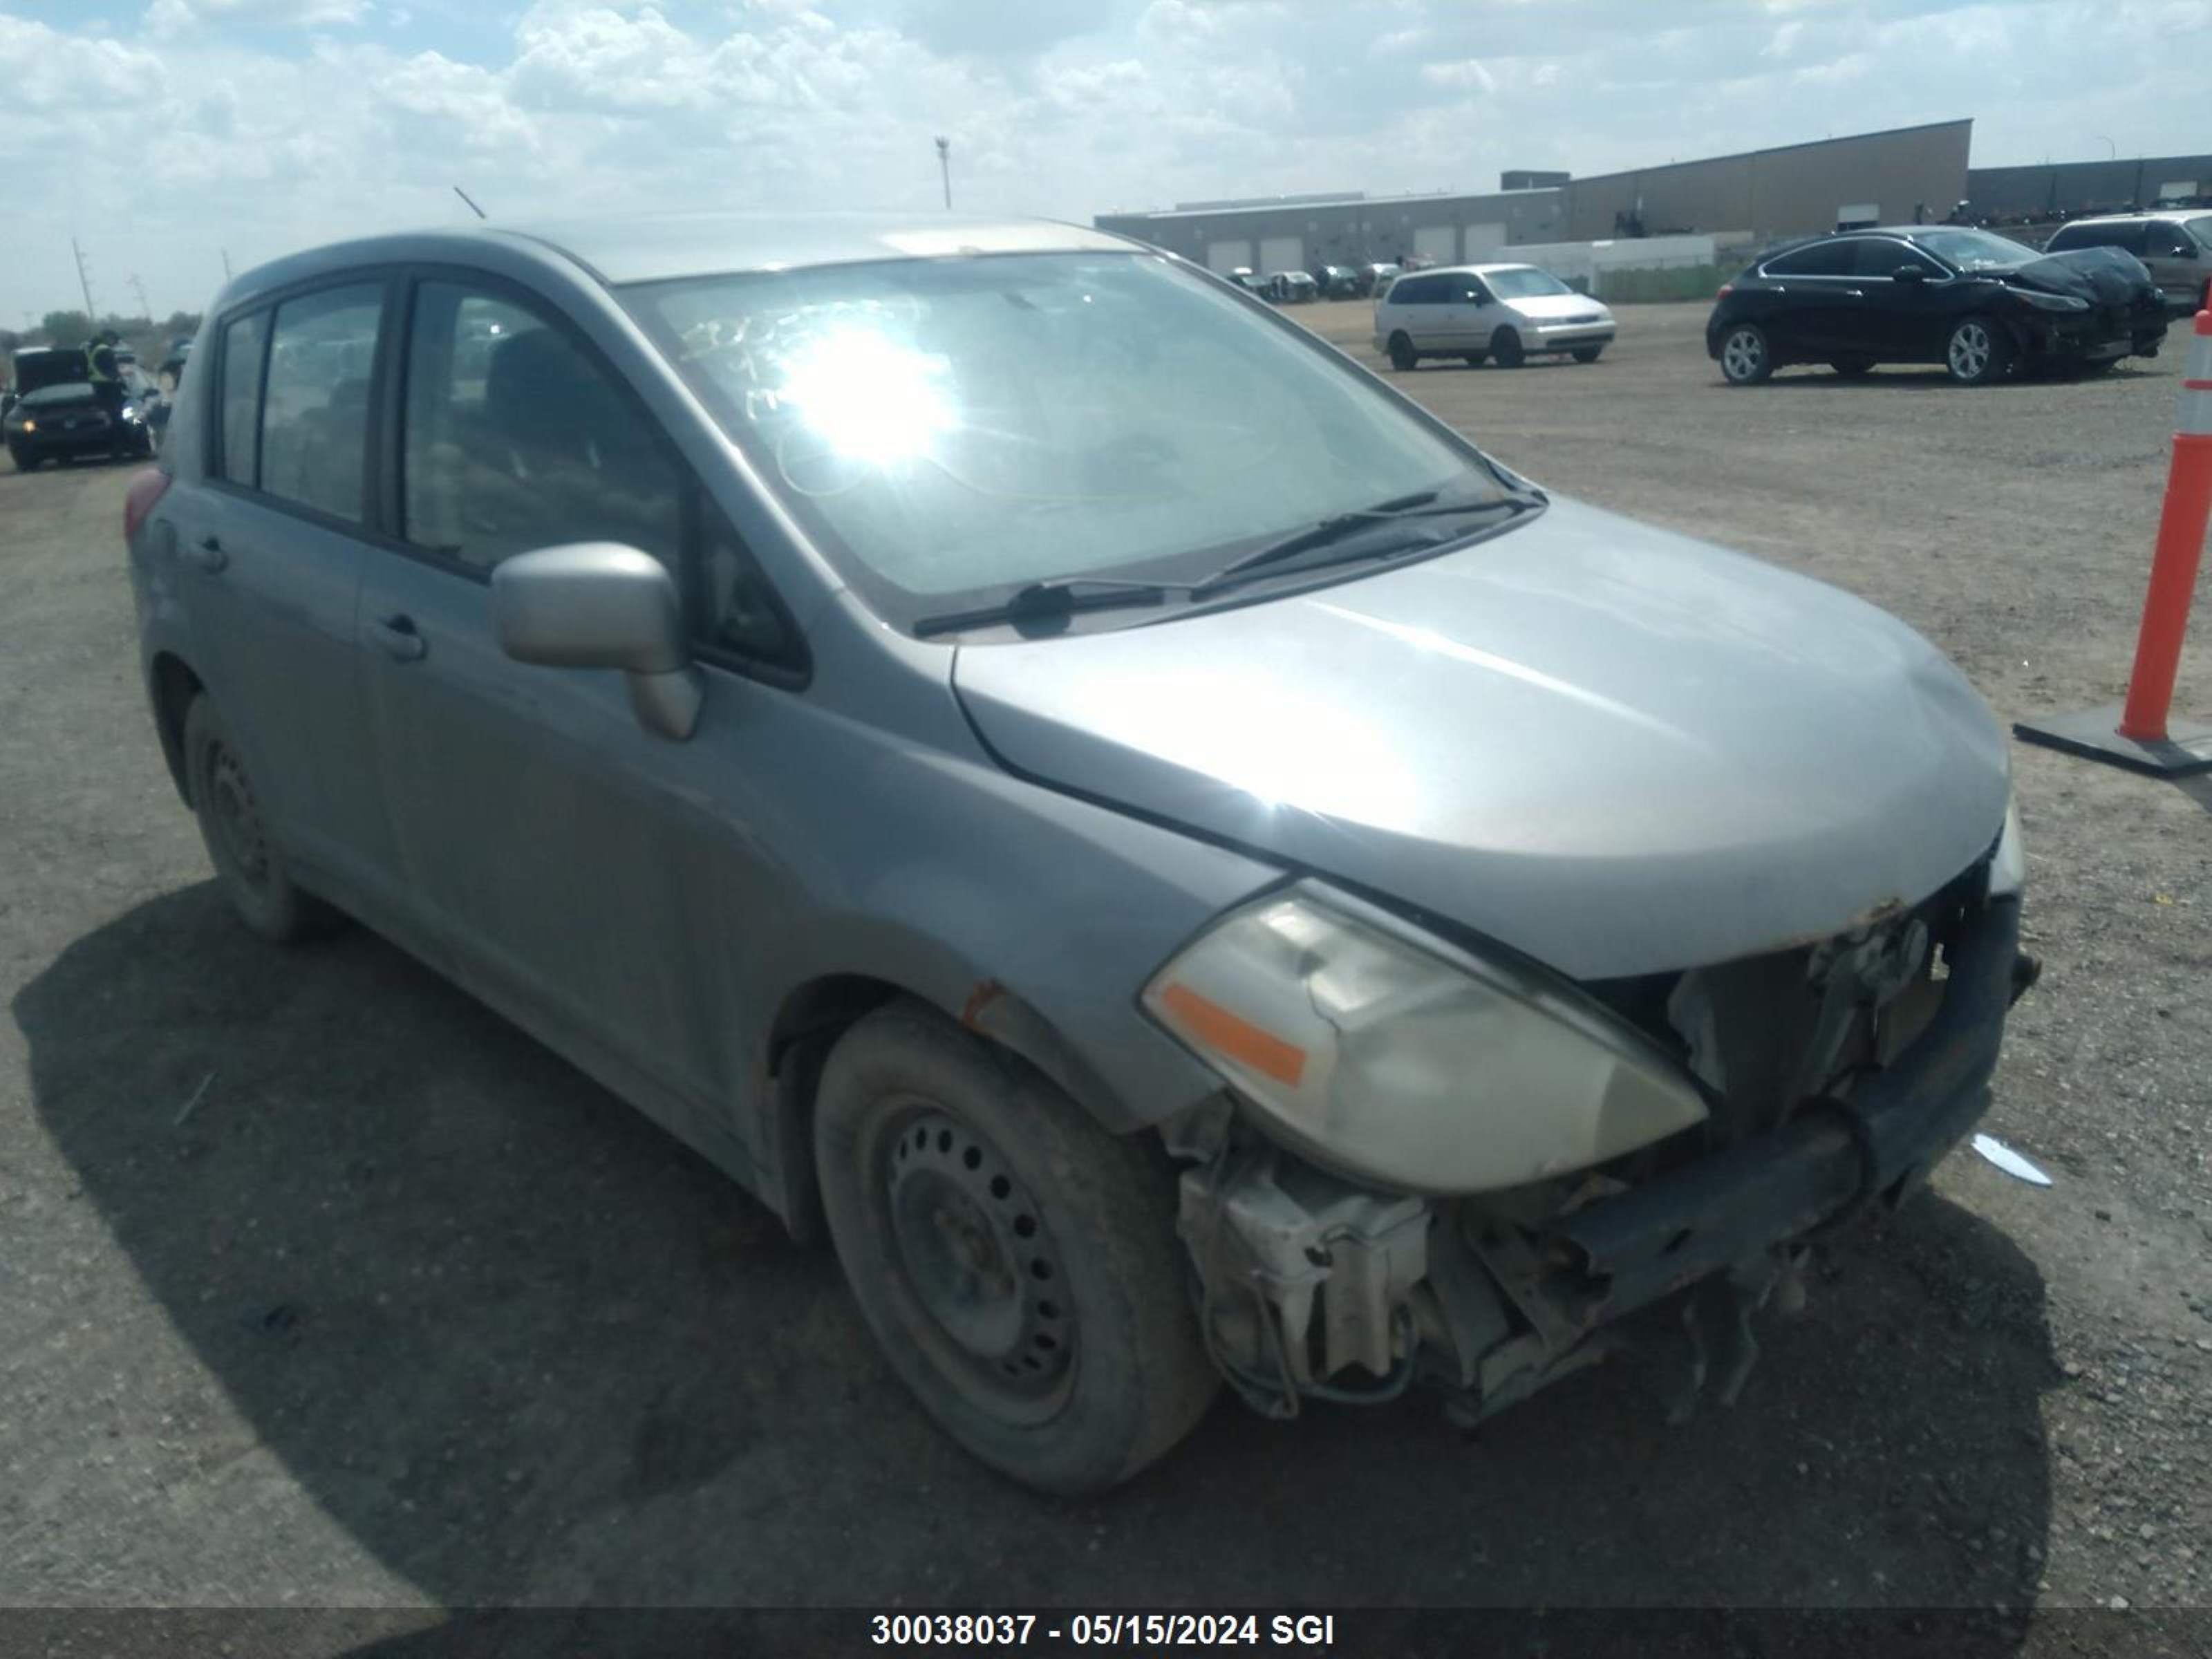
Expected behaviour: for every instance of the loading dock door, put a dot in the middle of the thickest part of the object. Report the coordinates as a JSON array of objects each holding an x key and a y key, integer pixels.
[
  {"x": 1438, "y": 242},
  {"x": 1282, "y": 254},
  {"x": 1483, "y": 242},
  {"x": 1222, "y": 257}
]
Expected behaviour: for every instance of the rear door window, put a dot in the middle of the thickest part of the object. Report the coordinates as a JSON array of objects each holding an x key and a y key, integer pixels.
[
  {"x": 1833, "y": 258},
  {"x": 315, "y": 413},
  {"x": 517, "y": 438},
  {"x": 2126, "y": 237},
  {"x": 243, "y": 343}
]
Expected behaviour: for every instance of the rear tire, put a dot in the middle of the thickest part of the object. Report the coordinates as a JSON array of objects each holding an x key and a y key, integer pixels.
[
  {"x": 1979, "y": 352},
  {"x": 1746, "y": 357},
  {"x": 1505, "y": 346},
  {"x": 1403, "y": 357},
  {"x": 1586, "y": 354},
  {"x": 248, "y": 864},
  {"x": 1019, "y": 1265}
]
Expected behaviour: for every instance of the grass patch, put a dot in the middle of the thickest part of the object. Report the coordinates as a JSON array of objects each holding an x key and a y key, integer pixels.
[{"x": 1656, "y": 287}]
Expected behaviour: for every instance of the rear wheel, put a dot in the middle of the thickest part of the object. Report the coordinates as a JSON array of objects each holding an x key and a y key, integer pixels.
[
  {"x": 1587, "y": 354},
  {"x": 1505, "y": 346},
  {"x": 1979, "y": 352},
  {"x": 1746, "y": 359},
  {"x": 1402, "y": 354},
  {"x": 1019, "y": 1265},
  {"x": 248, "y": 864},
  {"x": 1852, "y": 367}
]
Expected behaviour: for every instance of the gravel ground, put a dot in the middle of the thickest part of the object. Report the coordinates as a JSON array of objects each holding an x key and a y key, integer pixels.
[{"x": 320, "y": 1285}]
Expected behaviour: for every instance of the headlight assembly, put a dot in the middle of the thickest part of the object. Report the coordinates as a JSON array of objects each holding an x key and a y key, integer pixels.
[
  {"x": 1395, "y": 1065},
  {"x": 2009, "y": 863},
  {"x": 2051, "y": 301}
]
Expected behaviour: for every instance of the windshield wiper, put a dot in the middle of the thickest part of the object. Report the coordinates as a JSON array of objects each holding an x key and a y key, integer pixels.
[
  {"x": 1046, "y": 605},
  {"x": 1287, "y": 553}
]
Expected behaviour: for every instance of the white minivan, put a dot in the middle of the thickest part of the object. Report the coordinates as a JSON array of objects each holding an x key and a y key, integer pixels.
[{"x": 1509, "y": 313}]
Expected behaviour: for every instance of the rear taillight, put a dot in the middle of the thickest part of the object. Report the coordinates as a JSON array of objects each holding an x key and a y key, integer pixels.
[
  {"x": 1727, "y": 289},
  {"x": 148, "y": 488}
]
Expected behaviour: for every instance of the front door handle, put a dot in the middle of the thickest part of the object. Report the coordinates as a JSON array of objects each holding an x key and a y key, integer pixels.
[
  {"x": 398, "y": 636},
  {"x": 207, "y": 554}
]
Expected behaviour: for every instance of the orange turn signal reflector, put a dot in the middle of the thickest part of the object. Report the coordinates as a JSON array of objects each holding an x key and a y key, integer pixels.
[{"x": 1238, "y": 1038}]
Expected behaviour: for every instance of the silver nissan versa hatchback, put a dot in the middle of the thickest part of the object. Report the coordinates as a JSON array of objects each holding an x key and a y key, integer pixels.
[{"x": 1042, "y": 768}]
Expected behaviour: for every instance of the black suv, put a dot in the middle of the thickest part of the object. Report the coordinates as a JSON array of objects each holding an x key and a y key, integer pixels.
[
  {"x": 1975, "y": 302},
  {"x": 57, "y": 412}
]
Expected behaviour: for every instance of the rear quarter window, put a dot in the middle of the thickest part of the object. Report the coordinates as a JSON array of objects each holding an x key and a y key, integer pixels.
[{"x": 2127, "y": 238}]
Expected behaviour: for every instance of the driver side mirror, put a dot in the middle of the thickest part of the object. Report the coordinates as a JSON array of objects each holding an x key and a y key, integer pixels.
[
  {"x": 600, "y": 604},
  {"x": 1913, "y": 273}
]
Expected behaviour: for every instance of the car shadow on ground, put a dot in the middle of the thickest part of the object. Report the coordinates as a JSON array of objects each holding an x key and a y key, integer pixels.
[
  {"x": 524, "y": 1348},
  {"x": 1905, "y": 377}
]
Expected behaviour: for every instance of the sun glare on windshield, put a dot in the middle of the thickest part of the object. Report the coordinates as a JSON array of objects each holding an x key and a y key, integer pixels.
[{"x": 870, "y": 399}]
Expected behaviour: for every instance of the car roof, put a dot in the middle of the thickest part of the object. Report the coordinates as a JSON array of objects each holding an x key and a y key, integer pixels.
[
  {"x": 2170, "y": 215},
  {"x": 620, "y": 248}
]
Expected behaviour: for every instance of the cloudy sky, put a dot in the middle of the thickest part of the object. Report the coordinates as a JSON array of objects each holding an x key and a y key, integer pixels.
[{"x": 163, "y": 132}]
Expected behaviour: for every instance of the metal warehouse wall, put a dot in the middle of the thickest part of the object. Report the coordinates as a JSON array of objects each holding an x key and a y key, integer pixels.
[
  {"x": 1452, "y": 227},
  {"x": 2060, "y": 190},
  {"x": 1792, "y": 190}
]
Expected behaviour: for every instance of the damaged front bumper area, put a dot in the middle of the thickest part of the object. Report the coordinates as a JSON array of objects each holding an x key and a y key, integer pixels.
[{"x": 1311, "y": 1286}]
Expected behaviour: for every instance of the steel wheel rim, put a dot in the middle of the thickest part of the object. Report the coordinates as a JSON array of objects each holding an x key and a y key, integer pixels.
[
  {"x": 237, "y": 815},
  {"x": 1970, "y": 350},
  {"x": 1740, "y": 354},
  {"x": 981, "y": 1265}
]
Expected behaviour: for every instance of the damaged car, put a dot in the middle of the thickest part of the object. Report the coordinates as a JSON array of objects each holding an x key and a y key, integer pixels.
[
  {"x": 1183, "y": 868},
  {"x": 1981, "y": 305}
]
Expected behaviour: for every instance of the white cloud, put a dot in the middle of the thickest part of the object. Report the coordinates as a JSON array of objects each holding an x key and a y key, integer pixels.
[{"x": 261, "y": 125}]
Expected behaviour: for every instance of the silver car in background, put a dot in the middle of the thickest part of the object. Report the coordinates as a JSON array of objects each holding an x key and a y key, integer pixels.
[
  {"x": 1046, "y": 771},
  {"x": 1501, "y": 313}
]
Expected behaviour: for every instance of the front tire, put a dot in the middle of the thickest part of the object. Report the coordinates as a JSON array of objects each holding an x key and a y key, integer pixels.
[
  {"x": 1746, "y": 357},
  {"x": 1403, "y": 357},
  {"x": 1978, "y": 353},
  {"x": 24, "y": 460},
  {"x": 248, "y": 864},
  {"x": 1505, "y": 346},
  {"x": 1019, "y": 1265}
]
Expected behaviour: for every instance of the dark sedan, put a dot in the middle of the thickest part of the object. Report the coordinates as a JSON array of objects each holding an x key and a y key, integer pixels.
[
  {"x": 72, "y": 419},
  {"x": 1978, "y": 304}
]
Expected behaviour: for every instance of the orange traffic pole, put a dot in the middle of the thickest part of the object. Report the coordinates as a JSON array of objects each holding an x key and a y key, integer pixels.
[
  {"x": 2135, "y": 733},
  {"x": 2181, "y": 528}
]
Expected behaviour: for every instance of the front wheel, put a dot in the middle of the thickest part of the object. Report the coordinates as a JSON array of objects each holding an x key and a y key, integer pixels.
[
  {"x": 24, "y": 460},
  {"x": 1979, "y": 352},
  {"x": 1019, "y": 1265},
  {"x": 1402, "y": 354},
  {"x": 1587, "y": 354},
  {"x": 1505, "y": 346},
  {"x": 1746, "y": 359},
  {"x": 248, "y": 864}
]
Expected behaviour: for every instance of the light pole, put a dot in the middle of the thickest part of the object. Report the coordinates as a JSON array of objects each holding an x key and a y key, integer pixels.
[
  {"x": 2113, "y": 149},
  {"x": 944, "y": 167}
]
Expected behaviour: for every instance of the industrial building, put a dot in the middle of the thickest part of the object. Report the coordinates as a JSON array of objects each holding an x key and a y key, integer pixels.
[
  {"x": 2066, "y": 190},
  {"x": 1758, "y": 197}
]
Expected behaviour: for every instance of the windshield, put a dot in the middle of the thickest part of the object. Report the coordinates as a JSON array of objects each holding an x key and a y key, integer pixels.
[
  {"x": 1524, "y": 282},
  {"x": 1974, "y": 250},
  {"x": 953, "y": 430}
]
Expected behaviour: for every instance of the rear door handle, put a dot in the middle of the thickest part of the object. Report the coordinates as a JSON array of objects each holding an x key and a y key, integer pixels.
[
  {"x": 398, "y": 636},
  {"x": 207, "y": 554}
]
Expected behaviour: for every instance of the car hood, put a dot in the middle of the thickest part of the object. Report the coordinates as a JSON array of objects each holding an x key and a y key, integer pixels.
[
  {"x": 1616, "y": 750},
  {"x": 1557, "y": 308},
  {"x": 50, "y": 396},
  {"x": 2102, "y": 275}
]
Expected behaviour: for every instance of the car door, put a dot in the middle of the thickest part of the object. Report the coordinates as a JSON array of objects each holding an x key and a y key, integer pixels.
[
  {"x": 2172, "y": 254},
  {"x": 584, "y": 873},
  {"x": 270, "y": 545},
  {"x": 1818, "y": 310},
  {"x": 1902, "y": 320},
  {"x": 1473, "y": 311}
]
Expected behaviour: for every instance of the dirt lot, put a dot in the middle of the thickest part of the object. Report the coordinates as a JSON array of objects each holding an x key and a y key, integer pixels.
[{"x": 319, "y": 1285}]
